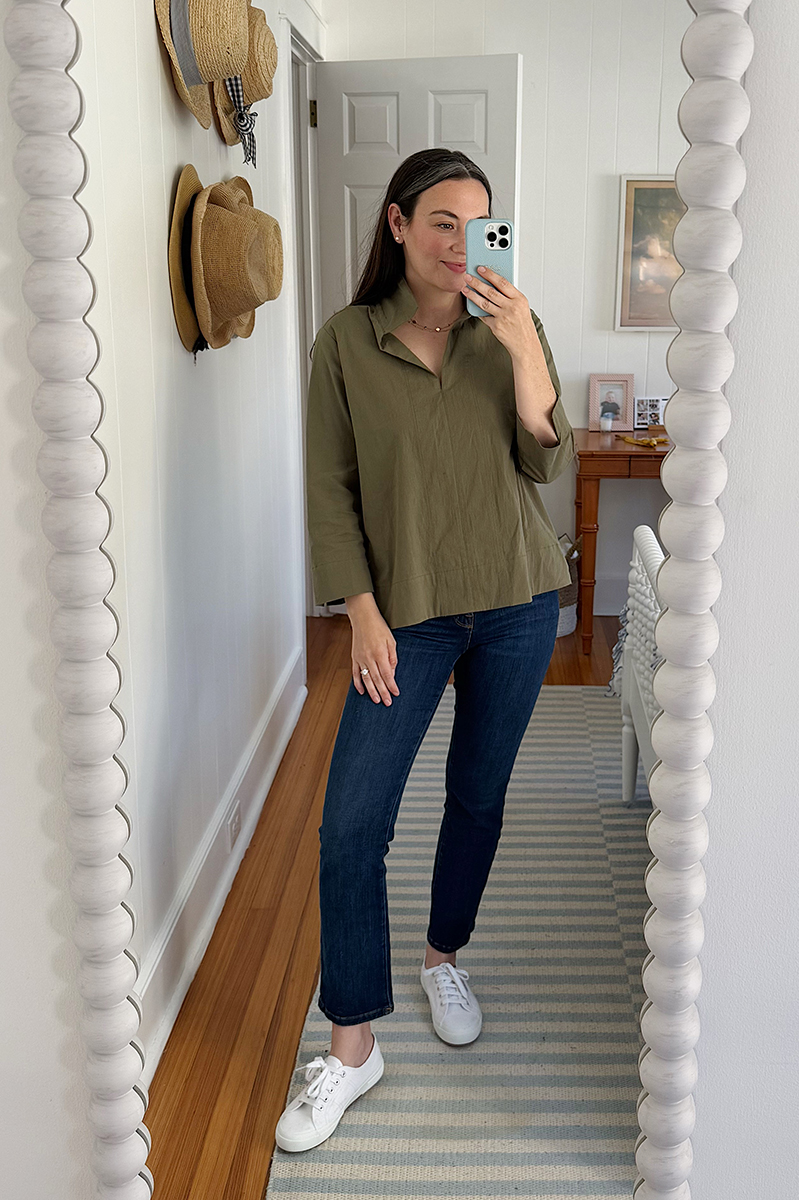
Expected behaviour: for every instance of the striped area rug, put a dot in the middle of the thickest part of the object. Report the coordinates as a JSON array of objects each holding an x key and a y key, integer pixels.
[{"x": 543, "y": 1103}]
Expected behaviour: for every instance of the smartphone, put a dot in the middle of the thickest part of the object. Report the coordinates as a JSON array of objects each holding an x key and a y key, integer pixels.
[{"x": 489, "y": 243}]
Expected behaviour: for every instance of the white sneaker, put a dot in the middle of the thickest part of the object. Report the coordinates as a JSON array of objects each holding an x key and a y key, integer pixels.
[
  {"x": 312, "y": 1116},
  {"x": 457, "y": 1018}
]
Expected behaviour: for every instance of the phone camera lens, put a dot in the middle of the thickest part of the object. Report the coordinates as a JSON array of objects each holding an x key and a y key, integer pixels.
[
  {"x": 503, "y": 242},
  {"x": 504, "y": 231},
  {"x": 491, "y": 237}
]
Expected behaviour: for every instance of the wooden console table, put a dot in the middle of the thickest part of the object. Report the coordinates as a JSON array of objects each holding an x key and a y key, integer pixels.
[{"x": 603, "y": 456}]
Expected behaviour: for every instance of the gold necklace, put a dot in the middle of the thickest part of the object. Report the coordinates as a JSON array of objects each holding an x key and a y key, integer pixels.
[{"x": 431, "y": 328}]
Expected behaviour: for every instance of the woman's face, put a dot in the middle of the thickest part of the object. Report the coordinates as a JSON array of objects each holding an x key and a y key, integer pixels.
[{"x": 435, "y": 235}]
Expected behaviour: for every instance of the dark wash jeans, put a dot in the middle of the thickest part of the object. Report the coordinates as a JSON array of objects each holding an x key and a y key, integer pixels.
[{"x": 500, "y": 657}]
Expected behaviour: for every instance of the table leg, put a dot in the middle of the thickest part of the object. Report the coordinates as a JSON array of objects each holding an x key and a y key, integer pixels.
[
  {"x": 578, "y": 517},
  {"x": 589, "y": 497}
]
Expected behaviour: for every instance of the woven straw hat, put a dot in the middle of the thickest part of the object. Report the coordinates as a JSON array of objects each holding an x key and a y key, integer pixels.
[
  {"x": 256, "y": 78},
  {"x": 206, "y": 40},
  {"x": 234, "y": 253},
  {"x": 180, "y": 281}
]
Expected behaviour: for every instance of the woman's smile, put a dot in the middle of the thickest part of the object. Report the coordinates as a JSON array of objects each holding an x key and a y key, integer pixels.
[{"x": 456, "y": 267}]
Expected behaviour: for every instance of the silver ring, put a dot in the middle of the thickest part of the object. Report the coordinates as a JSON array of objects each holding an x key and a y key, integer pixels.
[{"x": 364, "y": 670}]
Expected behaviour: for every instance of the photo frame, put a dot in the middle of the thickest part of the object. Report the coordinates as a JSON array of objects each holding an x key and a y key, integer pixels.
[
  {"x": 649, "y": 209},
  {"x": 611, "y": 394},
  {"x": 648, "y": 410}
]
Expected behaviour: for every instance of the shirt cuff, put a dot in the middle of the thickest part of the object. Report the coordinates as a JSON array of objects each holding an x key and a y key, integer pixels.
[
  {"x": 333, "y": 582},
  {"x": 543, "y": 463}
]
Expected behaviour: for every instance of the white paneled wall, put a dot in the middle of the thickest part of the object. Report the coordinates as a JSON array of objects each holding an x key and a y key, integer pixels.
[
  {"x": 205, "y": 486},
  {"x": 602, "y": 81}
]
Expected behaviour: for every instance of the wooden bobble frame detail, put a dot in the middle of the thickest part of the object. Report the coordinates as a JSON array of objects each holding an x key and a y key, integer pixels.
[
  {"x": 713, "y": 114},
  {"x": 46, "y": 104}
]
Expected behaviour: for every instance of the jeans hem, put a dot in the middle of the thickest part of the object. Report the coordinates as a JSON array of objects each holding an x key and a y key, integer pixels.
[
  {"x": 372, "y": 1015},
  {"x": 445, "y": 949}
]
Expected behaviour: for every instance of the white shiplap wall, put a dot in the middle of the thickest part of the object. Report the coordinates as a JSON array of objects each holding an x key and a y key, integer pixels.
[
  {"x": 205, "y": 485},
  {"x": 602, "y": 81}
]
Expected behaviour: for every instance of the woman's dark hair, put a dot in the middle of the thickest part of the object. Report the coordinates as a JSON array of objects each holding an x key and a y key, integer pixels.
[{"x": 385, "y": 265}]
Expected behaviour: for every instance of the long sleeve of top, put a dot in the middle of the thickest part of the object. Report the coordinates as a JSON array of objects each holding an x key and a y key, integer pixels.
[
  {"x": 423, "y": 488},
  {"x": 544, "y": 463},
  {"x": 338, "y": 558}
]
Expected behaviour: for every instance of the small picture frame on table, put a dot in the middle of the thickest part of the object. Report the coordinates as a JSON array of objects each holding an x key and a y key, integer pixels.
[
  {"x": 611, "y": 396},
  {"x": 649, "y": 410}
]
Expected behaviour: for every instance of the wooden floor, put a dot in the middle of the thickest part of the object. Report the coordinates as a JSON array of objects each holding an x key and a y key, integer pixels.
[{"x": 221, "y": 1083}]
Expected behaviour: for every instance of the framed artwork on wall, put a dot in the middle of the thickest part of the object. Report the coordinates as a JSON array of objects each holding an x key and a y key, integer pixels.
[
  {"x": 611, "y": 396},
  {"x": 649, "y": 411},
  {"x": 649, "y": 209}
]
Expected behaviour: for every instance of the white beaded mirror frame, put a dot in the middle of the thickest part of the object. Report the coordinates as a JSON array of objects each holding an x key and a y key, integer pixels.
[{"x": 46, "y": 104}]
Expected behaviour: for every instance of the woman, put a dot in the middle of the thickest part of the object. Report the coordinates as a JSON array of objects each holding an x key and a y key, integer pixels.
[{"x": 427, "y": 432}]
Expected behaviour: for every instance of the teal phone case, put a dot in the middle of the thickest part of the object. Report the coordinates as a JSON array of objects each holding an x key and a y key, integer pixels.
[{"x": 478, "y": 253}]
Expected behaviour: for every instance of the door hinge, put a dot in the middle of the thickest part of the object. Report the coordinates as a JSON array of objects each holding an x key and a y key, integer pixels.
[{"x": 313, "y": 114}]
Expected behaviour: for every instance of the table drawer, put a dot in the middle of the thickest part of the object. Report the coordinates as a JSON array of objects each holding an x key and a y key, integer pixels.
[
  {"x": 604, "y": 465},
  {"x": 645, "y": 468}
]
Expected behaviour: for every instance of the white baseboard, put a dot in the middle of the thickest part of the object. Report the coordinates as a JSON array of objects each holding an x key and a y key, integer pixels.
[{"x": 178, "y": 948}]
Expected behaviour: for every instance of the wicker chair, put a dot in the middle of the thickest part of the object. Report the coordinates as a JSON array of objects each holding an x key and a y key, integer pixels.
[{"x": 635, "y": 659}]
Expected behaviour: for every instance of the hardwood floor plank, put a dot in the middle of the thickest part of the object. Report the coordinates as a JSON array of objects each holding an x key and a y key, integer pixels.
[
  {"x": 250, "y": 1166},
  {"x": 198, "y": 1051},
  {"x": 232, "y": 1095}
]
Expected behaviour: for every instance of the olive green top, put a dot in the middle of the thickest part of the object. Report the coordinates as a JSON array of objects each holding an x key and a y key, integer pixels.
[{"x": 423, "y": 490}]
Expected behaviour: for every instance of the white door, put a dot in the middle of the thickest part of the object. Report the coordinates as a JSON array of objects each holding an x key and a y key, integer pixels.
[{"x": 372, "y": 114}]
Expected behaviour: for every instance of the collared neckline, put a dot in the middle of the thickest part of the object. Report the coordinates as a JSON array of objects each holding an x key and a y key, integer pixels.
[{"x": 394, "y": 310}]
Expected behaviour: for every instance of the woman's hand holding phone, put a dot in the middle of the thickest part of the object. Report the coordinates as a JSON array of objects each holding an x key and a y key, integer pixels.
[
  {"x": 509, "y": 318},
  {"x": 507, "y": 312}
]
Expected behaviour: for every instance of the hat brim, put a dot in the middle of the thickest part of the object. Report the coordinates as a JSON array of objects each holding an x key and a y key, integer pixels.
[
  {"x": 189, "y": 185},
  {"x": 197, "y": 99},
  {"x": 240, "y": 326},
  {"x": 215, "y": 113}
]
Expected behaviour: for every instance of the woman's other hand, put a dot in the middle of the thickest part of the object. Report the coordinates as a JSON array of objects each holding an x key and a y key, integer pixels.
[{"x": 373, "y": 646}]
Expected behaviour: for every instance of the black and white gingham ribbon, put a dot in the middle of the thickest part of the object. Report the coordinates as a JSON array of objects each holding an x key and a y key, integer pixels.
[{"x": 243, "y": 118}]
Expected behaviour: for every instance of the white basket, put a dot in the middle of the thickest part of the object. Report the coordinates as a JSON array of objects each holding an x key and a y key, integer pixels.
[{"x": 567, "y": 620}]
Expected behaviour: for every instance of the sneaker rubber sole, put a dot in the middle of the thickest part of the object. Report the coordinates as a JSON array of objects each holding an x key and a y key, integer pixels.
[{"x": 456, "y": 1039}]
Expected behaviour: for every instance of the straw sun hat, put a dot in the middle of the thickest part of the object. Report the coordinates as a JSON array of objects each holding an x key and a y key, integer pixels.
[
  {"x": 256, "y": 78},
  {"x": 206, "y": 40},
  {"x": 225, "y": 259}
]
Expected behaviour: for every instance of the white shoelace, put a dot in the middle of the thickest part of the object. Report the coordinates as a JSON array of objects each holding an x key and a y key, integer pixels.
[
  {"x": 451, "y": 984},
  {"x": 319, "y": 1083}
]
